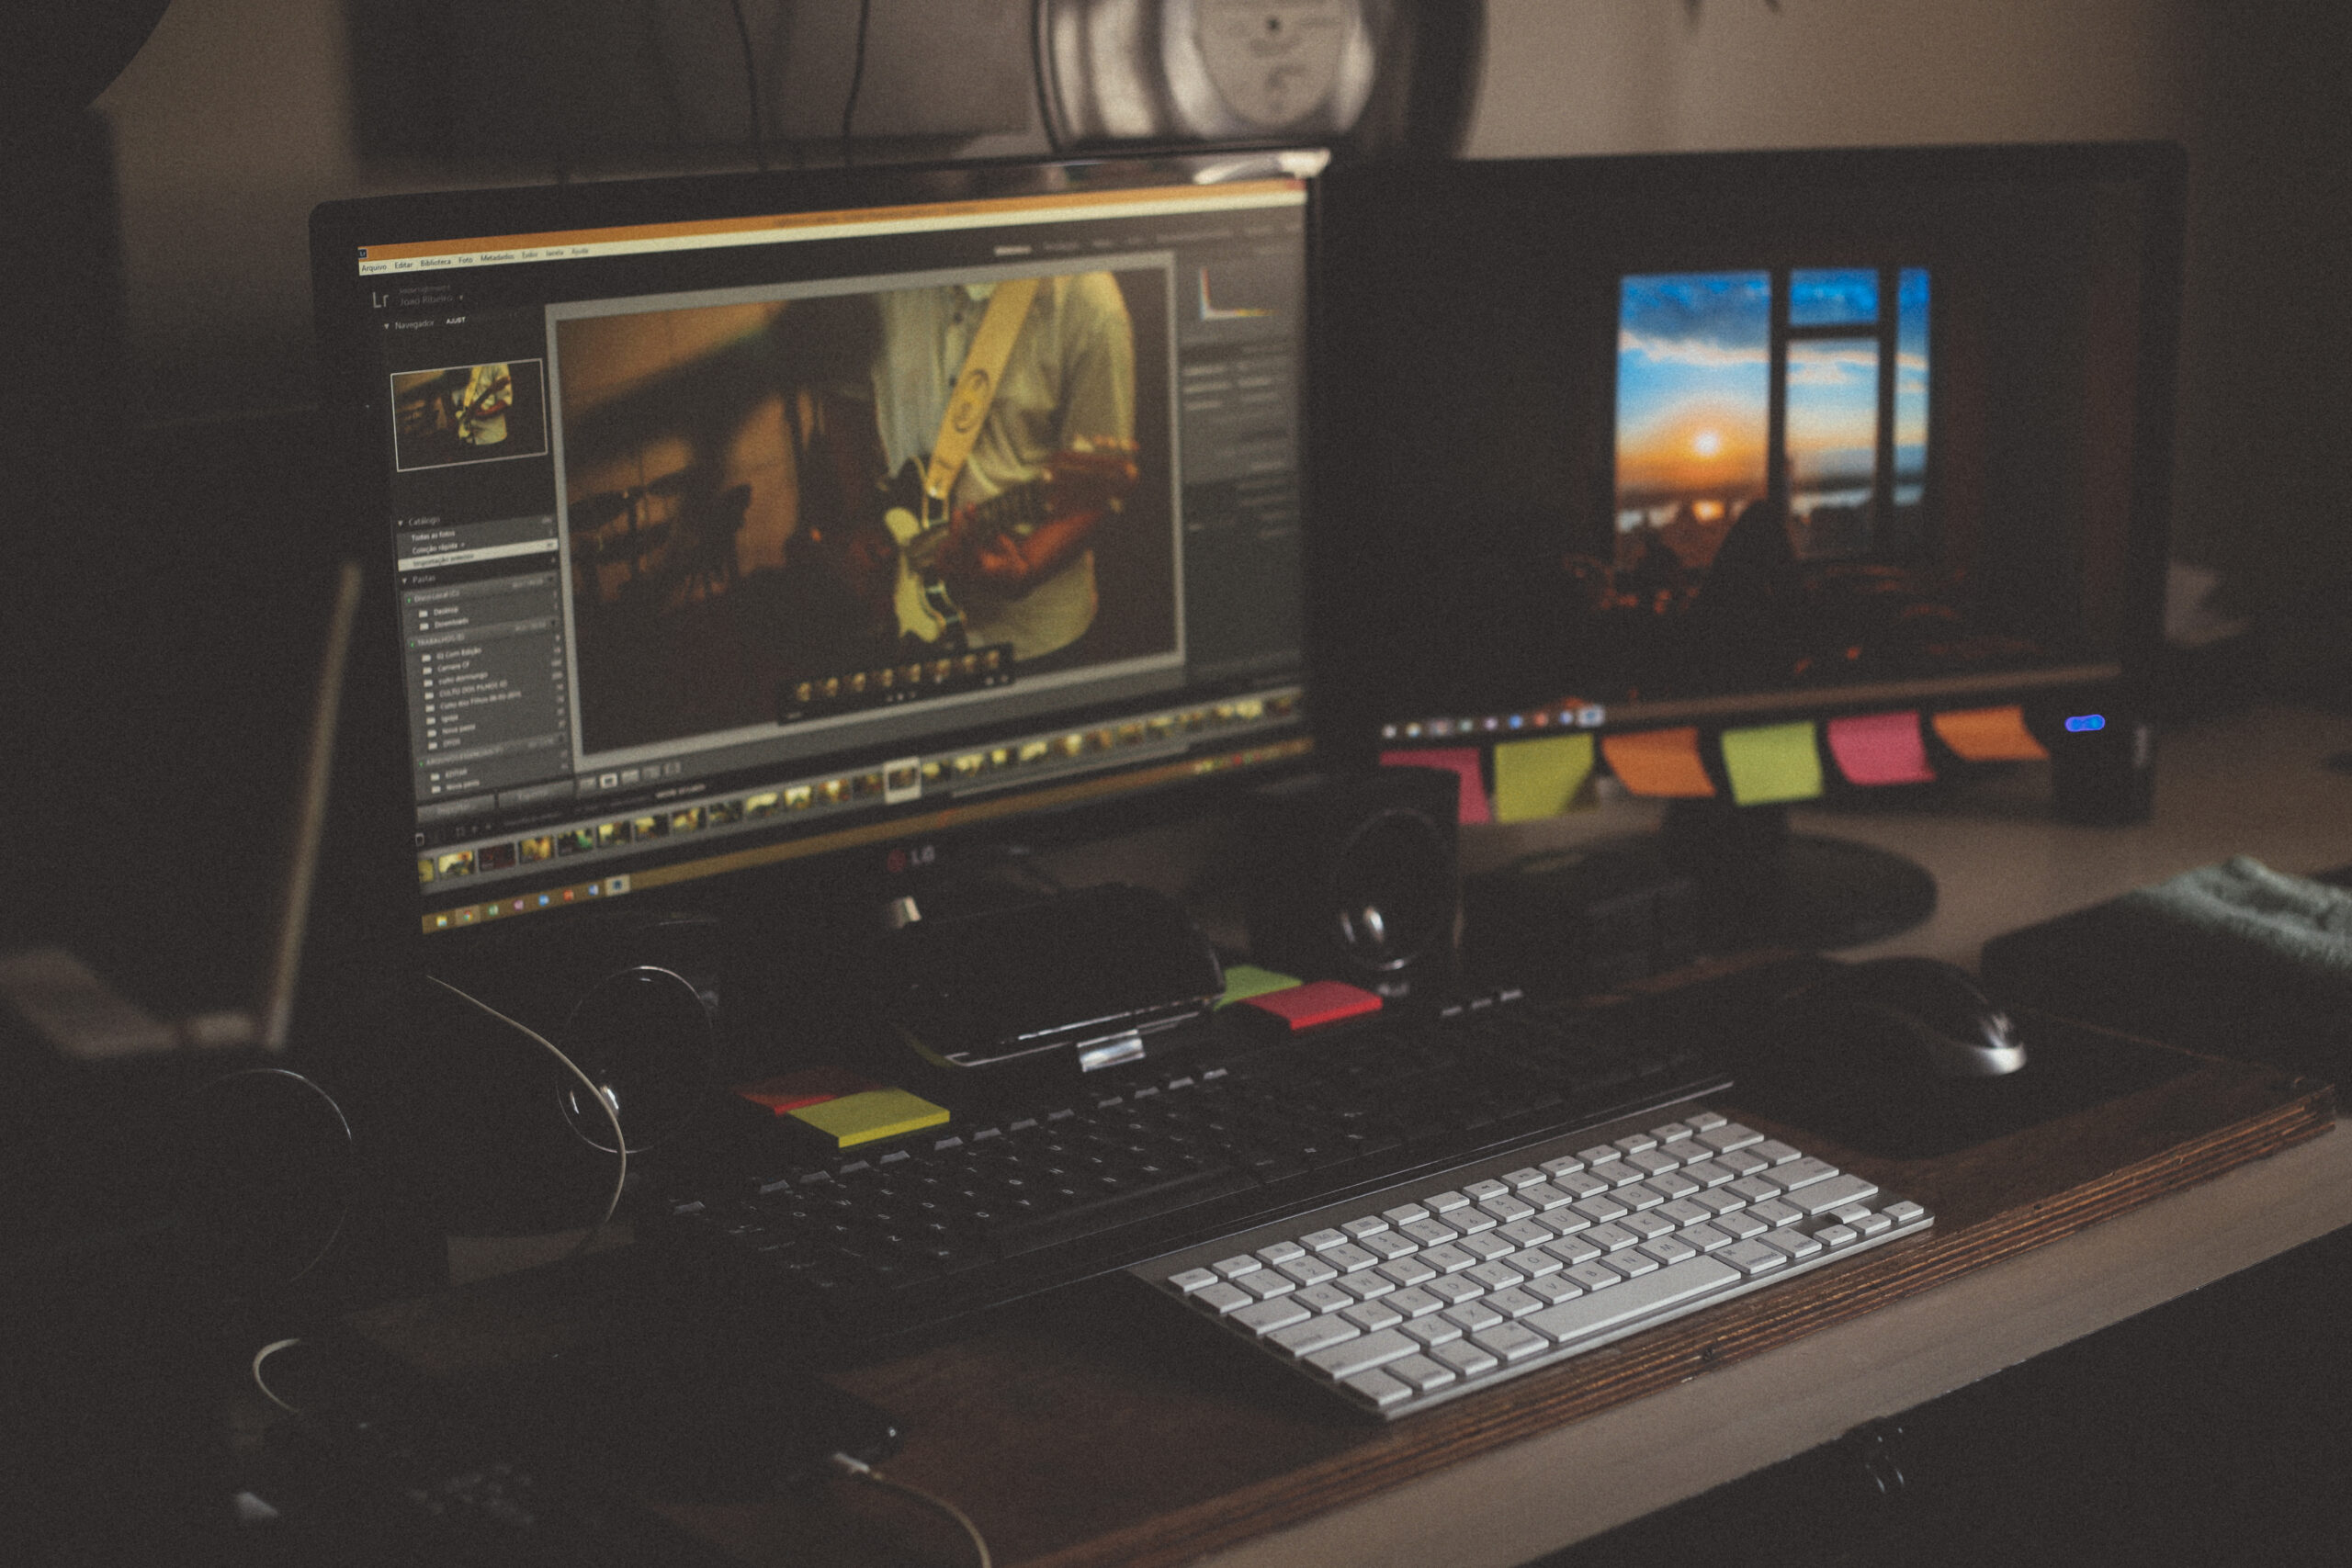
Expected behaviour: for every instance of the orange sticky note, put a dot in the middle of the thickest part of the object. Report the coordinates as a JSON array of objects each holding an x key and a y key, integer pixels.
[
  {"x": 1462, "y": 762},
  {"x": 1658, "y": 762},
  {"x": 1989, "y": 735}
]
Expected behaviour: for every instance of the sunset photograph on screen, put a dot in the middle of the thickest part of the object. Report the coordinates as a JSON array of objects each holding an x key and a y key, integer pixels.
[{"x": 1694, "y": 361}]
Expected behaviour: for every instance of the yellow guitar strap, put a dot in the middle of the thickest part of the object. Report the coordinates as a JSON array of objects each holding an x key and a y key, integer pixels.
[{"x": 976, "y": 384}]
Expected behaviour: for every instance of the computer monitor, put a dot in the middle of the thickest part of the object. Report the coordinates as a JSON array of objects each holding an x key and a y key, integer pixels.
[
  {"x": 1784, "y": 472},
  {"x": 727, "y": 524}
]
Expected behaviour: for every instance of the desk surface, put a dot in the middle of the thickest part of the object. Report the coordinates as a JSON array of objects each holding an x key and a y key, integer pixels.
[{"x": 2252, "y": 783}]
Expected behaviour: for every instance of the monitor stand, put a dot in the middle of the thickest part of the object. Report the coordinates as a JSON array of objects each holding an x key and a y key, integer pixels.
[{"x": 1761, "y": 884}]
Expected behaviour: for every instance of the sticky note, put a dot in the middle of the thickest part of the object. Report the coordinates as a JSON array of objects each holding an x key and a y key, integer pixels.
[
  {"x": 1771, "y": 762},
  {"x": 1880, "y": 748},
  {"x": 1658, "y": 762},
  {"x": 1243, "y": 981},
  {"x": 1462, "y": 762},
  {"x": 1989, "y": 735},
  {"x": 854, "y": 1119},
  {"x": 1540, "y": 778},
  {"x": 1319, "y": 1003}
]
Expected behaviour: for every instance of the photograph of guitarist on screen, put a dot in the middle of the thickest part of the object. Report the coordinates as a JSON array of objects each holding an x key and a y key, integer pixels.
[{"x": 780, "y": 509}]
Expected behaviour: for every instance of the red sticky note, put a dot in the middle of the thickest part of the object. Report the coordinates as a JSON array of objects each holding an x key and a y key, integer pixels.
[
  {"x": 1658, "y": 762},
  {"x": 1317, "y": 1003},
  {"x": 811, "y": 1086},
  {"x": 1880, "y": 748},
  {"x": 1462, "y": 762},
  {"x": 1990, "y": 735}
]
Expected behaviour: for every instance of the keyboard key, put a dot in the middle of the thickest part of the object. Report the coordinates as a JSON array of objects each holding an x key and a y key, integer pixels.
[
  {"x": 1455, "y": 1289},
  {"x": 1650, "y": 1162},
  {"x": 1470, "y": 1221},
  {"x": 1266, "y": 1284},
  {"x": 1511, "y": 1342},
  {"x": 1706, "y": 1238},
  {"x": 1776, "y": 1211},
  {"x": 1265, "y": 1318},
  {"x": 1903, "y": 1211},
  {"x": 1534, "y": 1263},
  {"x": 1322, "y": 1298},
  {"x": 1796, "y": 1244},
  {"x": 1751, "y": 1258},
  {"x": 1404, "y": 1214},
  {"x": 1479, "y": 1191},
  {"x": 1632, "y": 1262},
  {"x": 1525, "y": 1176},
  {"x": 1544, "y": 1195},
  {"x": 1412, "y": 1270},
  {"x": 1431, "y": 1332},
  {"x": 1708, "y": 1173},
  {"x": 1506, "y": 1208},
  {"x": 1360, "y": 1354},
  {"x": 1448, "y": 1259},
  {"x": 1519, "y": 1233},
  {"x": 1466, "y": 1358},
  {"x": 1835, "y": 1236},
  {"x": 1682, "y": 1211},
  {"x": 1496, "y": 1276},
  {"x": 1774, "y": 1152},
  {"x": 1513, "y": 1303},
  {"x": 1729, "y": 1136},
  {"x": 1802, "y": 1173},
  {"x": 1631, "y": 1302},
  {"x": 1371, "y": 1225},
  {"x": 1572, "y": 1250},
  {"x": 1192, "y": 1280},
  {"x": 1420, "y": 1373},
  {"x": 1232, "y": 1267},
  {"x": 1599, "y": 1153},
  {"x": 1830, "y": 1194},
  {"x": 1553, "y": 1289},
  {"x": 1611, "y": 1237},
  {"x": 1673, "y": 1183},
  {"x": 1348, "y": 1257},
  {"x": 1615, "y": 1172},
  {"x": 1580, "y": 1184},
  {"x": 1635, "y": 1142},
  {"x": 1639, "y": 1196},
  {"x": 1741, "y": 1226},
  {"x": 1391, "y": 1244},
  {"x": 1306, "y": 1271},
  {"x": 1649, "y": 1227},
  {"x": 1322, "y": 1240},
  {"x": 1754, "y": 1189},
  {"x": 1370, "y": 1315},
  {"x": 1668, "y": 1249},
  {"x": 1315, "y": 1334},
  {"x": 1281, "y": 1252},
  {"x": 1672, "y": 1133},
  {"x": 1564, "y": 1166},
  {"x": 1222, "y": 1299},
  {"x": 1365, "y": 1283},
  {"x": 1599, "y": 1210},
  {"x": 1743, "y": 1162},
  {"x": 1564, "y": 1222},
  {"x": 1871, "y": 1224},
  {"x": 1486, "y": 1249},
  {"x": 1441, "y": 1203},
  {"x": 1594, "y": 1276},
  {"x": 1413, "y": 1303},
  {"x": 1703, "y": 1121},
  {"x": 1380, "y": 1389},
  {"x": 1429, "y": 1233},
  {"x": 1471, "y": 1316}
]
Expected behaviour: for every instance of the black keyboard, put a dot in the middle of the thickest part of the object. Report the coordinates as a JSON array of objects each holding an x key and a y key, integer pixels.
[{"x": 1236, "y": 1129}]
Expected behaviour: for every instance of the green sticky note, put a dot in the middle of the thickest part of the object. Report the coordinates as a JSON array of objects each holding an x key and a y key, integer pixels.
[
  {"x": 1541, "y": 777},
  {"x": 876, "y": 1113},
  {"x": 1773, "y": 762},
  {"x": 1243, "y": 981}
]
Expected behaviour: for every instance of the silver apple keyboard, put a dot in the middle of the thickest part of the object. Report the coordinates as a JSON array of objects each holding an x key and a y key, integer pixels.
[{"x": 1426, "y": 1290}]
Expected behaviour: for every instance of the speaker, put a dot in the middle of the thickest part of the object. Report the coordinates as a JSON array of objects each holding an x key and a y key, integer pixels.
[
  {"x": 2104, "y": 777},
  {"x": 1353, "y": 876}
]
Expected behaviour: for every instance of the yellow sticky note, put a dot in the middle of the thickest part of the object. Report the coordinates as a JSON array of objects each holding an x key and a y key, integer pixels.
[
  {"x": 1659, "y": 762},
  {"x": 878, "y": 1113},
  {"x": 1540, "y": 778},
  {"x": 1989, "y": 735},
  {"x": 1243, "y": 981},
  {"x": 1772, "y": 762}
]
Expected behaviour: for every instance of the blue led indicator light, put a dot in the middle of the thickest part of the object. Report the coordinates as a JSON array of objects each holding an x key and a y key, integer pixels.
[{"x": 2084, "y": 722}]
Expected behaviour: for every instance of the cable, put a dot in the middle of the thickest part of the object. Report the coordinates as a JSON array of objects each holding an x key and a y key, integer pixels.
[
  {"x": 1039, "y": 63},
  {"x": 858, "y": 1470},
  {"x": 751, "y": 85},
  {"x": 856, "y": 79},
  {"x": 595, "y": 1093},
  {"x": 264, "y": 1354}
]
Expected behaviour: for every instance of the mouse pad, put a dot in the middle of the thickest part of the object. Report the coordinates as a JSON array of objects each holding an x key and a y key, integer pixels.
[{"x": 2068, "y": 1068}]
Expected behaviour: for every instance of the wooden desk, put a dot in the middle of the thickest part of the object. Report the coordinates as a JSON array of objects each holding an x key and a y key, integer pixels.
[{"x": 2253, "y": 783}]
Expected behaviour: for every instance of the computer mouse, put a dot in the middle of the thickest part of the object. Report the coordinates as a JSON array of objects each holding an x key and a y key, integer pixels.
[{"x": 1898, "y": 1016}]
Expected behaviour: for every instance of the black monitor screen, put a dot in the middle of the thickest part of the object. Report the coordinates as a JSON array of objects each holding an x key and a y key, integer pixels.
[
  {"x": 1616, "y": 443},
  {"x": 735, "y": 520}
]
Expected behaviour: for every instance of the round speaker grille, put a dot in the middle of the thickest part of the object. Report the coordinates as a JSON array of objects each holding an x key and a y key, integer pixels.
[
  {"x": 643, "y": 1034},
  {"x": 1392, "y": 890}
]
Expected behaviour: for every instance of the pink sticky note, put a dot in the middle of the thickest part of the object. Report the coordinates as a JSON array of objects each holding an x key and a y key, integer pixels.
[
  {"x": 1880, "y": 748},
  {"x": 1464, "y": 762}
]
